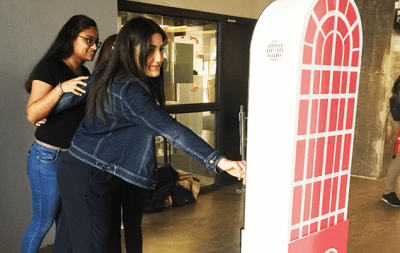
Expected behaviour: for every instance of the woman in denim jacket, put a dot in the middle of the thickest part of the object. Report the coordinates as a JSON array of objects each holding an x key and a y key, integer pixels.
[{"x": 111, "y": 162}]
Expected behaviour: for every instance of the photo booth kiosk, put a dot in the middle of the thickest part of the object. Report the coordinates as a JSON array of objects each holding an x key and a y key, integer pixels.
[{"x": 305, "y": 60}]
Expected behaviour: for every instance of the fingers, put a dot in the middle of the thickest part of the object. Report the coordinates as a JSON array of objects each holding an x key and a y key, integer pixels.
[
  {"x": 40, "y": 122},
  {"x": 234, "y": 168},
  {"x": 80, "y": 82},
  {"x": 237, "y": 169},
  {"x": 78, "y": 91},
  {"x": 242, "y": 171},
  {"x": 74, "y": 85},
  {"x": 243, "y": 165},
  {"x": 82, "y": 78},
  {"x": 240, "y": 167}
]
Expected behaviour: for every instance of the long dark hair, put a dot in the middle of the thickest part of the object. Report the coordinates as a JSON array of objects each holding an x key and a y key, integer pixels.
[
  {"x": 136, "y": 31},
  {"x": 105, "y": 51},
  {"x": 63, "y": 45}
]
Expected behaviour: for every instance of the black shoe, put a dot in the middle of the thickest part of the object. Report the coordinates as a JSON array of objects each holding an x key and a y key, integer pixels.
[{"x": 391, "y": 199}]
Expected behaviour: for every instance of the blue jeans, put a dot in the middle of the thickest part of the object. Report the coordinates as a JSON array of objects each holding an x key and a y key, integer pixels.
[{"x": 46, "y": 200}]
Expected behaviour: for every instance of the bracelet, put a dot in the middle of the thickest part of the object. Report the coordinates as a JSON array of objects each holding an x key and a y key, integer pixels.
[{"x": 61, "y": 88}]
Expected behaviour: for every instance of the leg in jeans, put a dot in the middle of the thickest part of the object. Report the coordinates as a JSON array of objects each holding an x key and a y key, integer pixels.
[
  {"x": 392, "y": 175},
  {"x": 134, "y": 200},
  {"x": 46, "y": 202},
  {"x": 91, "y": 218}
]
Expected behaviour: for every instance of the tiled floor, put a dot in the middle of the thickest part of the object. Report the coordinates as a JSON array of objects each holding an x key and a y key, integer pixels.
[{"x": 213, "y": 223}]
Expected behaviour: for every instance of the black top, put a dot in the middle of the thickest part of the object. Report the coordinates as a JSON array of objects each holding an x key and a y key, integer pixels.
[{"x": 59, "y": 128}]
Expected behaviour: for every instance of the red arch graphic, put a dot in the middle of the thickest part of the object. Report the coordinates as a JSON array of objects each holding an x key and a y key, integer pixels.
[{"x": 327, "y": 99}]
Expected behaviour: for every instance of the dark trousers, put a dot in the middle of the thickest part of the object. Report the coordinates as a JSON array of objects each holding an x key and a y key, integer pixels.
[{"x": 91, "y": 210}]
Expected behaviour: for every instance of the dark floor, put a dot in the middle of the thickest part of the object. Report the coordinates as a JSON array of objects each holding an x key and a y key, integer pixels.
[{"x": 213, "y": 223}]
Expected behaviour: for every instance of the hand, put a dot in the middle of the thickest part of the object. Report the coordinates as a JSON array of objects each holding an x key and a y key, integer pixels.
[
  {"x": 73, "y": 85},
  {"x": 40, "y": 122},
  {"x": 234, "y": 168}
]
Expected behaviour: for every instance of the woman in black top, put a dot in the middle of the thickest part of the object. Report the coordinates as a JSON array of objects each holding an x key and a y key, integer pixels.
[{"x": 60, "y": 71}]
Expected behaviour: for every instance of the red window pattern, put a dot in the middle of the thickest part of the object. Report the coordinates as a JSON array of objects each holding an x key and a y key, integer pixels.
[{"x": 327, "y": 100}]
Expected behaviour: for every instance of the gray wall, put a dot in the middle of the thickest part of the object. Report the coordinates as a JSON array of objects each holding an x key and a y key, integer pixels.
[{"x": 27, "y": 30}]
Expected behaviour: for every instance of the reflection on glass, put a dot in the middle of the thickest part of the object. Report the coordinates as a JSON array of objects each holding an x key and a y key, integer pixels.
[
  {"x": 190, "y": 57},
  {"x": 203, "y": 124}
]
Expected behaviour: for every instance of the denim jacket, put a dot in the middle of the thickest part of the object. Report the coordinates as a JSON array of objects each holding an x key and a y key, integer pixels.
[{"x": 124, "y": 144}]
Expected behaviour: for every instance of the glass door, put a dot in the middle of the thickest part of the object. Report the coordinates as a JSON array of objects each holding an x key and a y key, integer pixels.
[{"x": 190, "y": 67}]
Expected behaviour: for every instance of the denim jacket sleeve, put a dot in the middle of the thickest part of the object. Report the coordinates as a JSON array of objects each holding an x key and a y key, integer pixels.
[
  {"x": 68, "y": 100},
  {"x": 139, "y": 106}
]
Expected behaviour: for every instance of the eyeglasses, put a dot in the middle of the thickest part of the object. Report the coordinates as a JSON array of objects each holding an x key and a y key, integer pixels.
[{"x": 91, "y": 41}]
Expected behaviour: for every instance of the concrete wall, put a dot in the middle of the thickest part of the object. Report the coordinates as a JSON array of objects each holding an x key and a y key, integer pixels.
[
  {"x": 27, "y": 30},
  {"x": 375, "y": 129}
]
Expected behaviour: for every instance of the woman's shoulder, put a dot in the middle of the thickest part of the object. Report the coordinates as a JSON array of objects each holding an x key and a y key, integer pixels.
[
  {"x": 47, "y": 70},
  {"x": 123, "y": 78},
  {"x": 129, "y": 86},
  {"x": 51, "y": 62},
  {"x": 47, "y": 63},
  {"x": 127, "y": 82}
]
